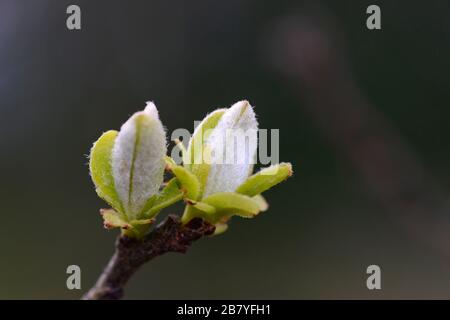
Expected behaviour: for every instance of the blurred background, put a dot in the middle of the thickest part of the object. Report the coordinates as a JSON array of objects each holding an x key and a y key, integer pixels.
[{"x": 363, "y": 116}]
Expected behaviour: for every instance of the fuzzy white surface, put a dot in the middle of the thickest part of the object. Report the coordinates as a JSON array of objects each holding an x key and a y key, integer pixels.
[
  {"x": 225, "y": 175},
  {"x": 138, "y": 159}
]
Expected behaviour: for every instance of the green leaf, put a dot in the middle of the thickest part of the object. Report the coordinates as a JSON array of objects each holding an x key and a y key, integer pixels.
[
  {"x": 265, "y": 179},
  {"x": 231, "y": 203},
  {"x": 201, "y": 171},
  {"x": 101, "y": 169},
  {"x": 204, "y": 207},
  {"x": 188, "y": 181},
  {"x": 201, "y": 133},
  {"x": 196, "y": 209},
  {"x": 219, "y": 207},
  {"x": 168, "y": 196}
]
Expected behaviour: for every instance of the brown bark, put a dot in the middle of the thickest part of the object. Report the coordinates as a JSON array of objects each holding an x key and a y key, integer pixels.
[{"x": 131, "y": 254}]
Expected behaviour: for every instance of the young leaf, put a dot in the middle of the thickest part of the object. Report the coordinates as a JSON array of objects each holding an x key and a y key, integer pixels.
[
  {"x": 196, "y": 144},
  {"x": 202, "y": 206},
  {"x": 231, "y": 203},
  {"x": 191, "y": 212},
  {"x": 188, "y": 181},
  {"x": 201, "y": 171},
  {"x": 101, "y": 170},
  {"x": 265, "y": 179},
  {"x": 168, "y": 196},
  {"x": 196, "y": 158}
]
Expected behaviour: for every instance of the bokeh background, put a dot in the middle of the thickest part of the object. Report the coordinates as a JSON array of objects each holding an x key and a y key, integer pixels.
[{"x": 363, "y": 116}]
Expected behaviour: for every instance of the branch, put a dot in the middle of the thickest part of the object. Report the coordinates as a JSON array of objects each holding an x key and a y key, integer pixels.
[{"x": 131, "y": 254}]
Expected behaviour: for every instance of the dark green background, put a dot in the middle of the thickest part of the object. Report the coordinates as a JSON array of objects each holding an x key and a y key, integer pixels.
[{"x": 60, "y": 89}]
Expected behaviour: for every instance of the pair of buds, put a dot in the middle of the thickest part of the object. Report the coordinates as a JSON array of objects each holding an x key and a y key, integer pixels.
[{"x": 127, "y": 168}]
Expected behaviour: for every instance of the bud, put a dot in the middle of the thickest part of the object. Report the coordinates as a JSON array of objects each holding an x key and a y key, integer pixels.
[
  {"x": 223, "y": 148},
  {"x": 138, "y": 159},
  {"x": 215, "y": 176},
  {"x": 232, "y": 144},
  {"x": 127, "y": 168}
]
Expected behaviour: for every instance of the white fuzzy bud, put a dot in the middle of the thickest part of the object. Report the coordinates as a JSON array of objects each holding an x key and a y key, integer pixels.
[
  {"x": 138, "y": 159},
  {"x": 233, "y": 144}
]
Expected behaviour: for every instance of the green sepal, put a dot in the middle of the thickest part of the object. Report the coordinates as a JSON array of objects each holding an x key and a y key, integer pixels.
[
  {"x": 265, "y": 179},
  {"x": 101, "y": 169}
]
